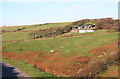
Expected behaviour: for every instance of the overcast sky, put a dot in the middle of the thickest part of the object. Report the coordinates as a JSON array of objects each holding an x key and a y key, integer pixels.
[{"x": 36, "y": 12}]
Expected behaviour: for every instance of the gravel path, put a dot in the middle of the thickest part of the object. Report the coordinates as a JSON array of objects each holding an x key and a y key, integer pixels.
[{"x": 10, "y": 71}]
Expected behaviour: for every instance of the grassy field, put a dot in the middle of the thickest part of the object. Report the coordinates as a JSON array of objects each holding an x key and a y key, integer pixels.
[
  {"x": 48, "y": 26},
  {"x": 65, "y": 47},
  {"x": 12, "y": 36},
  {"x": 80, "y": 44},
  {"x": 33, "y": 27},
  {"x": 37, "y": 52}
]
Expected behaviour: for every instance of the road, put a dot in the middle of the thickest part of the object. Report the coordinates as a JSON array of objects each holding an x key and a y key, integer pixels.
[{"x": 10, "y": 71}]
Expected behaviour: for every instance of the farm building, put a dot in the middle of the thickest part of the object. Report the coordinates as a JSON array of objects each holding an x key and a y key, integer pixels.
[{"x": 83, "y": 29}]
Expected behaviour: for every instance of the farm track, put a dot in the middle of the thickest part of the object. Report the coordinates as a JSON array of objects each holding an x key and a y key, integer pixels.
[
  {"x": 10, "y": 71},
  {"x": 17, "y": 41}
]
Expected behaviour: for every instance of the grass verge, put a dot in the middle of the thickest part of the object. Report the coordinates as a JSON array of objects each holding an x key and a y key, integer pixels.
[{"x": 27, "y": 68}]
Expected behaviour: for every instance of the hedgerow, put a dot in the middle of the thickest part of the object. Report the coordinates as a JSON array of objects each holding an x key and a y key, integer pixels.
[
  {"x": 53, "y": 31},
  {"x": 104, "y": 23}
]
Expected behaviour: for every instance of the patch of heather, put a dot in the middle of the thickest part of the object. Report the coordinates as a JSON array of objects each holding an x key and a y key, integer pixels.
[
  {"x": 52, "y": 63},
  {"x": 103, "y": 51}
]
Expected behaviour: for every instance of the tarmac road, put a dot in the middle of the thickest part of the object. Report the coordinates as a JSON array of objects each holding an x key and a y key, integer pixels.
[{"x": 10, "y": 71}]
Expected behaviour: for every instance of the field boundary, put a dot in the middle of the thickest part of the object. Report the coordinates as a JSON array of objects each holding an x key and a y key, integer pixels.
[{"x": 55, "y": 38}]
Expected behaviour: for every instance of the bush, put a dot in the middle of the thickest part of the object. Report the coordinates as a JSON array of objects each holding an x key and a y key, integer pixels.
[
  {"x": 104, "y": 23},
  {"x": 50, "y": 32},
  {"x": 109, "y": 24},
  {"x": 81, "y": 22},
  {"x": 98, "y": 66}
]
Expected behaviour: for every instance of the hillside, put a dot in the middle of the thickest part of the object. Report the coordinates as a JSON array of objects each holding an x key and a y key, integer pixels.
[{"x": 64, "y": 54}]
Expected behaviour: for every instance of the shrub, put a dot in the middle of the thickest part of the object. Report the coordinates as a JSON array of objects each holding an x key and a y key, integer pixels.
[
  {"x": 98, "y": 66},
  {"x": 50, "y": 32},
  {"x": 104, "y": 23},
  {"x": 108, "y": 23},
  {"x": 81, "y": 22}
]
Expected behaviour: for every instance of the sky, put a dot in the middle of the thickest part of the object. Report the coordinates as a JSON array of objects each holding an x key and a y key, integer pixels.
[{"x": 26, "y": 13}]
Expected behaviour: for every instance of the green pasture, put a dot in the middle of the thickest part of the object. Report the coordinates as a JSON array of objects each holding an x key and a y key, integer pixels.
[
  {"x": 12, "y": 36},
  {"x": 47, "y": 26},
  {"x": 36, "y": 26},
  {"x": 66, "y": 46}
]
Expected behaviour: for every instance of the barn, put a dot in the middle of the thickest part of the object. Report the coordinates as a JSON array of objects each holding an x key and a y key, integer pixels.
[{"x": 83, "y": 29}]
